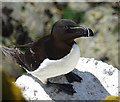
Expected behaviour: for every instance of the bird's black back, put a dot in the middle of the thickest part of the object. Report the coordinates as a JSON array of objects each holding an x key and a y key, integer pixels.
[{"x": 45, "y": 48}]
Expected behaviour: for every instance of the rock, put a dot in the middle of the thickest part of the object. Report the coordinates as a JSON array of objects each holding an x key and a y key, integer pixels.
[
  {"x": 99, "y": 80},
  {"x": 82, "y": 6}
]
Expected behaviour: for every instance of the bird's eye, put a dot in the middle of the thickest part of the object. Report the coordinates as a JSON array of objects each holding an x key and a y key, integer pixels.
[{"x": 65, "y": 27}]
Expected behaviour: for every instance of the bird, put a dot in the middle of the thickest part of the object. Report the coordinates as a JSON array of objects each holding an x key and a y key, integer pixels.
[{"x": 52, "y": 55}]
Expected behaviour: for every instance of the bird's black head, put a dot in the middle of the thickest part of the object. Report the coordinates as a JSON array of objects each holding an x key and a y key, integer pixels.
[{"x": 67, "y": 30}]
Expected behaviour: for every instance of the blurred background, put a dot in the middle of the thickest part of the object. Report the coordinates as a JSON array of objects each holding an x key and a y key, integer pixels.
[{"x": 24, "y": 22}]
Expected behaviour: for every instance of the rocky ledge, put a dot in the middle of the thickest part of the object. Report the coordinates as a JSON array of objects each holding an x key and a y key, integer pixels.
[{"x": 99, "y": 80}]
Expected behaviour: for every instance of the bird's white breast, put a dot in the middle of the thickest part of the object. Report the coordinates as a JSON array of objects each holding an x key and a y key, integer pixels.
[{"x": 51, "y": 68}]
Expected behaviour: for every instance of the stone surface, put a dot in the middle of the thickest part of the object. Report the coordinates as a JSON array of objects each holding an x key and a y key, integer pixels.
[{"x": 99, "y": 81}]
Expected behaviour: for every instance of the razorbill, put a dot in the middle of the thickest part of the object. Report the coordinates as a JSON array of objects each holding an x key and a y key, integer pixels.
[{"x": 55, "y": 54}]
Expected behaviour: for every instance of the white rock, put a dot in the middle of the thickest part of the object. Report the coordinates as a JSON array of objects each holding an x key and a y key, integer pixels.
[
  {"x": 99, "y": 81},
  {"x": 31, "y": 89}
]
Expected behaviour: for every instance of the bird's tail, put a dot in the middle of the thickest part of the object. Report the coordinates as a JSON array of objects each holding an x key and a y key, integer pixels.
[{"x": 14, "y": 54}]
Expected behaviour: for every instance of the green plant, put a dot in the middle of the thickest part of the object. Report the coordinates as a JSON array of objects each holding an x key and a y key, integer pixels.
[{"x": 77, "y": 16}]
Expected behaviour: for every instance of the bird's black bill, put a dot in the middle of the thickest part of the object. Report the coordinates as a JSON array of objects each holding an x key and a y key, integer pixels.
[
  {"x": 85, "y": 32},
  {"x": 89, "y": 32}
]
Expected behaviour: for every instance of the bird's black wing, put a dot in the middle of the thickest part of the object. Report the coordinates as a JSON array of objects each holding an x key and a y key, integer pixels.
[
  {"x": 14, "y": 54},
  {"x": 36, "y": 54}
]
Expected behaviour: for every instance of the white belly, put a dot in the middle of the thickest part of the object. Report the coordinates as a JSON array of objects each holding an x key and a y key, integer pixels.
[{"x": 51, "y": 68}]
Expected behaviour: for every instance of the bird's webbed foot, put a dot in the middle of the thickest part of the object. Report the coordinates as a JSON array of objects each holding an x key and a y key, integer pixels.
[
  {"x": 71, "y": 77},
  {"x": 67, "y": 88}
]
